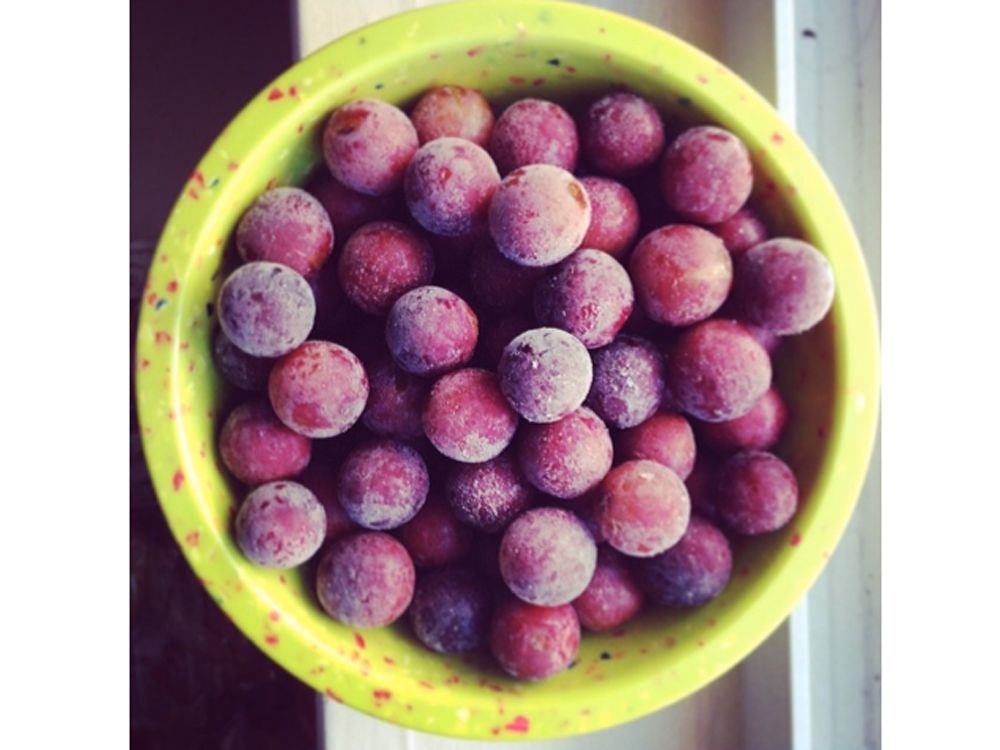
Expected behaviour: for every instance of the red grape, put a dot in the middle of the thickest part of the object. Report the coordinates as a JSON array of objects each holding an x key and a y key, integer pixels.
[
  {"x": 682, "y": 274},
  {"x": 614, "y": 216},
  {"x": 628, "y": 382},
  {"x": 319, "y": 389},
  {"x": 381, "y": 262},
  {"x": 383, "y": 484},
  {"x": 547, "y": 556},
  {"x": 365, "y": 580},
  {"x": 257, "y": 448},
  {"x": 489, "y": 495},
  {"x": 706, "y": 175},
  {"x": 431, "y": 330},
  {"x": 367, "y": 144},
  {"x": 453, "y": 111},
  {"x": 450, "y": 612},
  {"x": 611, "y": 598},
  {"x": 539, "y": 215},
  {"x": 545, "y": 374},
  {"x": 758, "y": 429},
  {"x": 533, "y": 131},
  {"x": 467, "y": 418},
  {"x": 534, "y": 643},
  {"x": 692, "y": 572},
  {"x": 756, "y": 492},
  {"x": 622, "y": 134},
  {"x": 448, "y": 186},
  {"x": 589, "y": 294},
  {"x": 666, "y": 438},
  {"x": 286, "y": 225},
  {"x": 716, "y": 371},
  {"x": 280, "y": 525},
  {"x": 266, "y": 309},
  {"x": 784, "y": 285},
  {"x": 435, "y": 536},
  {"x": 644, "y": 508},
  {"x": 566, "y": 458}
]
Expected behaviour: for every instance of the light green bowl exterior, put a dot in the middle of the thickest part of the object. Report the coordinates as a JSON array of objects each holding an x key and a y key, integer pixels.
[{"x": 509, "y": 50}]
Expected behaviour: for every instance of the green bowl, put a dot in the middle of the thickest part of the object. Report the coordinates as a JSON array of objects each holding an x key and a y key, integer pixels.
[{"x": 508, "y": 50}]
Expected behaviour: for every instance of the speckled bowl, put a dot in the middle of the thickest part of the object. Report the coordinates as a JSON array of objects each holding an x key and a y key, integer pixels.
[{"x": 509, "y": 50}]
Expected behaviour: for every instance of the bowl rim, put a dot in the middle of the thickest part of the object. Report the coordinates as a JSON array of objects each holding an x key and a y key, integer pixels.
[{"x": 857, "y": 365}]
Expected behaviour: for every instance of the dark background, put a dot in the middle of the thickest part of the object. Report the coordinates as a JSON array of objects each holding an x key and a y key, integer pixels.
[
  {"x": 193, "y": 67},
  {"x": 196, "y": 682}
]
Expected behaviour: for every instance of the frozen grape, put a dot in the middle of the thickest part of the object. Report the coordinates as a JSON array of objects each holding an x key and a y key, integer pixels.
[
  {"x": 539, "y": 215},
  {"x": 431, "y": 330},
  {"x": 622, "y": 134},
  {"x": 545, "y": 374},
  {"x": 547, "y": 556},
  {"x": 382, "y": 261},
  {"x": 614, "y": 216},
  {"x": 497, "y": 283},
  {"x": 448, "y": 186},
  {"x": 266, "y": 309},
  {"x": 534, "y": 643},
  {"x": 666, "y": 438},
  {"x": 628, "y": 382},
  {"x": 453, "y": 111},
  {"x": 716, "y": 371},
  {"x": 365, "y": 580},
  {"x": 784, "y": 285},
  {"x": 450, "y": 612},
  {"x": 758, "y": 429},
  {"x": 383, "y": 484},
  {"x": 756, "y": 492},
  {"x": 644, "y": 508},
  {"x": 741, "y": 231},
  {"x": 321, "y": 478},
  {"x": 367, "y": 144},
  {"x": 435, "y": 536},
  {"x": 280, "y": 525},
  {"x": 692, "y": 572},
  {"x": 534, "y": 131},
  {"x": 349, "y": 209},
  {"x": 239, "y": 368},
  {"x": 286, "y": 225},
  {"x": 395, "y": 401},
  {"x": 467, "y": 418},
  {"x": 489, "y": 495},
  {"x": 706, "y": 175},
  {"x": 682, "y": 274},
  {"x": 566, "y": 458},
  {"x": 589, "y": 295},
  {"x": 257, "y": 448},
  {"x": 611, "y": 598},
  {"x": 319, "y": 389}
]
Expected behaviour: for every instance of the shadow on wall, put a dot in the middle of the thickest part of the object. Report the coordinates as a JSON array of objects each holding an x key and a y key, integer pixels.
[{"x": 193, "y": 67}]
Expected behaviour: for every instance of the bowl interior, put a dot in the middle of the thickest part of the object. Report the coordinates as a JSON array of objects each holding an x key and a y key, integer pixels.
[{"x": 509, "y": 51}]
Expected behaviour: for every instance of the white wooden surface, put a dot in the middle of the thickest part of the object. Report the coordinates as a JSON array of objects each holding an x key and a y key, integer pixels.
[
  {"x": 814, "y": 683},
  {"x": 839, "y": 116}
]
